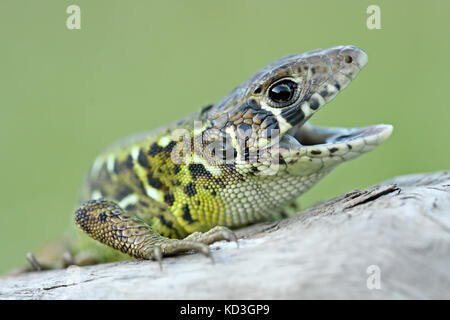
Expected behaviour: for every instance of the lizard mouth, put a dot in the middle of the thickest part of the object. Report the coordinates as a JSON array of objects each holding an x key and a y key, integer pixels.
[
  {"x": 318, "y": 142},
  {"x": 305, "y": 139}
]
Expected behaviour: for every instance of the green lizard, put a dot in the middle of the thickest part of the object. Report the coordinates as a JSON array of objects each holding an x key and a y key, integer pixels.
[{"x": 234, "y": 163}]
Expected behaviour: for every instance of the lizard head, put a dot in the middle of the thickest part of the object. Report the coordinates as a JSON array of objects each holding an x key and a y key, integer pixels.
[{"x": 273, "y": 106}]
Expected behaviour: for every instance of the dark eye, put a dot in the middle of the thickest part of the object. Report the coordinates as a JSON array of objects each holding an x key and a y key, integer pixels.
[{"x": 283, "y": 92}]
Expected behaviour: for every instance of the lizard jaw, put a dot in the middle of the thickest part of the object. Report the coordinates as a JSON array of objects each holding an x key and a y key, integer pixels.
[{"x": 325, "y": 142}]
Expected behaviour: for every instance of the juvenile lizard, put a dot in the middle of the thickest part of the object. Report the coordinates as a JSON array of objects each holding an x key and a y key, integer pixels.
[{"x": 231, "y": 164}]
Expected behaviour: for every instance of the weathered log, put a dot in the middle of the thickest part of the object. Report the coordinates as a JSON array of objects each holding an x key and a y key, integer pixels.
[{"x": 389, "y": 241}]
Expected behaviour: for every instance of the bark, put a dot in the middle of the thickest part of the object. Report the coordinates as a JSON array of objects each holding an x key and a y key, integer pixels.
[{"x": 390, "y": 241}]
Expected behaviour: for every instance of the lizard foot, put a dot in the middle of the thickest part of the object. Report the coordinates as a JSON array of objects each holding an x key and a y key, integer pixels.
[
  {"x": 106, "y": 222},
  {"x": 216, "y": 234}
]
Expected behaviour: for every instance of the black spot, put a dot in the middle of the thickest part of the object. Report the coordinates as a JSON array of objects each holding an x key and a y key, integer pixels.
[
  {"x": 116, "y": 166},
  {"x": 131, "y": 207},
  {"x": 142, "y": 159},
  {"x": 206, "y": 109},
  {"x": 170, "y": 146},
  {"x": 81, "y": 215},
  {"x": 230, "y": 169},
  {"x": 293, "y": 115},
  {"x": 316, "y": 152},
  {"x": 85, "y": 227},
  {"x": 82, "y": 219},
  {"x": 198, "y": 170},
  {"x": 129, "y": 162},
  {"x": 155, "y": 149},
  {"x": 313, "y": 103},
  {"x": 213, "y": 193},
  {"x": 169, "y": 198},
  {"x": 313, "y": 70},
  {"x": 102, "y": 217},
  {"x": 338, "y": 86},
  {"x": 141, "y": 186},
  {"x": 349, "y": 146},
  {"x": 190, "y": 190},
  {"x": 334, "y": 149},
  {"x": 187, "y": 214},
  {"x": 176, "y": 168},
  {"x": 153, "y": 181},
  {"x": 168, "y": 224},
  {"x": 324, "y": 93},
  {"x": 246, "y": 153},
  {"x": 144, "y": 204},
  {"x": 122, "y": 192}
]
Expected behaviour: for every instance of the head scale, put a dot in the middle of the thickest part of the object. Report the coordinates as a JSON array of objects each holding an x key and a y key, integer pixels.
[{"x": 283, "y": 95}]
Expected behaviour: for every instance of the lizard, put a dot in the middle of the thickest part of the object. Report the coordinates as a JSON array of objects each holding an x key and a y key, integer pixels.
[{"x": 240, "y": 161}]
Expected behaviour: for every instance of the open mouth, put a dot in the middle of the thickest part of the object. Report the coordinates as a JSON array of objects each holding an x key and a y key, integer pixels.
[
  {"x": 305, "y": 139},
  {"x": 325, "y": 141}
]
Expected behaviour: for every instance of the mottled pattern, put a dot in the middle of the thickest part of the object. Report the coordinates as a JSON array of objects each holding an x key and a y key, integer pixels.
[{"x": 237, "y": 162}]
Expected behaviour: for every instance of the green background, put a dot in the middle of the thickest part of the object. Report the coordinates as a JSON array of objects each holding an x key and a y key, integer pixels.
[{"x": 135, "y": 65}]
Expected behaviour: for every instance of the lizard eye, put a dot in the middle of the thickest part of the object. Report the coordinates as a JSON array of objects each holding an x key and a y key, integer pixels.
[{"x": 283, "y": 93}]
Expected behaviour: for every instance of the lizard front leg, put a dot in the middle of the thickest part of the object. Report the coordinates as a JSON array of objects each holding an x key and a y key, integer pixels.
[{"x": 106, "y": 222}]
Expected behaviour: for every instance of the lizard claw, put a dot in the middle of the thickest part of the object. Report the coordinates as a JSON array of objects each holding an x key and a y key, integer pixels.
[
  {"x": 33, "y": 262},
  {"x": 157, "y": 255},
  {"x": 231, "y": 236}
]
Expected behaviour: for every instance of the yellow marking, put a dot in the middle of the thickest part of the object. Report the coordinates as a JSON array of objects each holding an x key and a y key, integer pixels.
[
  {"x": 96, "y": 195},
  {"x": 96, "y": 166},
  {"x": 230, "y": 130},
  {"x": 164, "y": 141},
  {"x": 155, "y": 194},
  {"x": 306, "y": 109},
  {"x": 275, "y": 111},
  {"x": 199, "y": 130},
  {"x": 110, "y": 163},
  {"x": 128, "y": 200},
  {"x": 283, "y": 124},
  {"x": 262, "y": 142},
  {"x": 135, "y": 153},
  {"x": 332, "y": 89}
]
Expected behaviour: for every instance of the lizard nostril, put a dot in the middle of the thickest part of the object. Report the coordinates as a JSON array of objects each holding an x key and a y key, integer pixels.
[{"x": 348, "y": 59}]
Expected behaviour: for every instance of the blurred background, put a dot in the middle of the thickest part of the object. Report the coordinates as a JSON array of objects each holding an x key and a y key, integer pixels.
[{"x": 65, "y": 95}]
